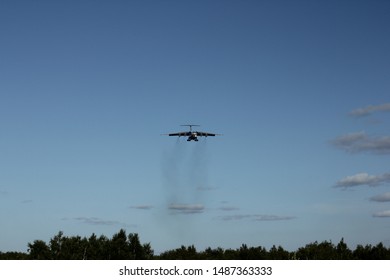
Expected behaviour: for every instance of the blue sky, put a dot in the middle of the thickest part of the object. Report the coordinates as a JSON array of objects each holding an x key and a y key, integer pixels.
[{"x": 299, "y": 89}]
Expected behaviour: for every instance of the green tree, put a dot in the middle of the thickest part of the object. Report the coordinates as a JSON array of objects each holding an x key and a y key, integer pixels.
[
  {"x": 135, "y": 247},
  {"x": 38, "y": 250},
  {"x": 119, "y": 247},
  {"x": 97, "y": 248},
  {"x": 214, "y": 254},
  {"x": 182, "y": 253},
  {"x": 252, "y": 253},
  {"x": 379, "y": 252},
  {"x": 369, "y": 252},
  {"x": 13, "y": 256},
  {"x": 278, "y": 253},
  {"x": 317, "y": 251},
  {"x": 56, "y": 246},
  {"x": 342, "y": 250},
  {"x": 148, "y": 252},
  {"x": 137, "y": 250}
]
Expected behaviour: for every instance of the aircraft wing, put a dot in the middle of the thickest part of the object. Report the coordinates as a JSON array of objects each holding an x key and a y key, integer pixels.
[
  {"x": 200, "y": 133},
  {"x": 186, "y": 133}
]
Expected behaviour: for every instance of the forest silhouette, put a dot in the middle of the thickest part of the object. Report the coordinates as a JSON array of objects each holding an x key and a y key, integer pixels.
[{"x": 123, "y": 246}]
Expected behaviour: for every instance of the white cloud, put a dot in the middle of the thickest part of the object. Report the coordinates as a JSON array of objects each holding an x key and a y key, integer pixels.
[
  {"x": 349, "y": 138},
  {"x": 385, "y": 197},
  {"x": 256, "y": 217},
  {"x": 361, "y": 142},
  {"x": 142, "y": 207},
  {"x": 362, "y": 179},
  {"x": 361, "y": 112},
  {"x": 98, "y": 221},
  {"x": 272, "y": 218},
  {"x": 186, "y": 208},
  {"x": 234, "y": 217},
  {"x": 382, "y": 214}
]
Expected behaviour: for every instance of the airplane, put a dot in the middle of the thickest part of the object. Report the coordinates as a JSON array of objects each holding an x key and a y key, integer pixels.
[{"x": 192, "y": 135}]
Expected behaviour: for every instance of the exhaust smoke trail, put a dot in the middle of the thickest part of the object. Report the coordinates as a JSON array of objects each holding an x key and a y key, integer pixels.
[
  {"x": 184, "y": 176},
  {"x": 171, "y": 164},
  {"x": 198, "y": 169}
]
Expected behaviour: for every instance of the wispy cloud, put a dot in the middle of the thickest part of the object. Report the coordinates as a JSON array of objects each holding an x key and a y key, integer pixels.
[
  {"x": 385, "y": 197},
  {"x": 186, "y": 208},
  {"x": 142, "y": 207},
  {"x": 382, "y": 214},
  {"x": 363, "y": 179},
  {"x": 272, "y": 218},
  {"x": 234, "y": 217},
  {"x": 97, "y": 222},
  {"x": 228, "y": 208},
  {"x": 361, "y": 142},
  {"x": 256, "y": 217},
  {"x": 368, "y": 110}
]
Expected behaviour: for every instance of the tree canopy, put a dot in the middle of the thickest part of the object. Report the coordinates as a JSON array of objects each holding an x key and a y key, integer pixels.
[{"x": 123, "y": 246}]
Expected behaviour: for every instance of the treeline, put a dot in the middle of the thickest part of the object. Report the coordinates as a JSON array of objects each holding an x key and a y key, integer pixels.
[{"x": 128, "y": 247}]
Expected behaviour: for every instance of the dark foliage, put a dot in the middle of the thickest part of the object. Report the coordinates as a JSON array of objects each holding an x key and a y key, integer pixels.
[
  {"x": 119, "y": 247},
  {"x": 13, "y": 256},
  {"x": 128, "y": 247}
]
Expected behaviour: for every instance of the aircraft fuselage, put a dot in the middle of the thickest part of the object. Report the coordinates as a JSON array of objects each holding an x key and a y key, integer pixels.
[{"x": 193, "y": 137}]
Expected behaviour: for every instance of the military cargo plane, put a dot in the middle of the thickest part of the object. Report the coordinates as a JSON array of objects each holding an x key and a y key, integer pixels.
[{"x": 192, "y": 135}]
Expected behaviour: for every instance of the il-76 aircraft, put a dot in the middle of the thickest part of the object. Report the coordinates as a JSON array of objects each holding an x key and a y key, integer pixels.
[{"x": 192, "y": 135}]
